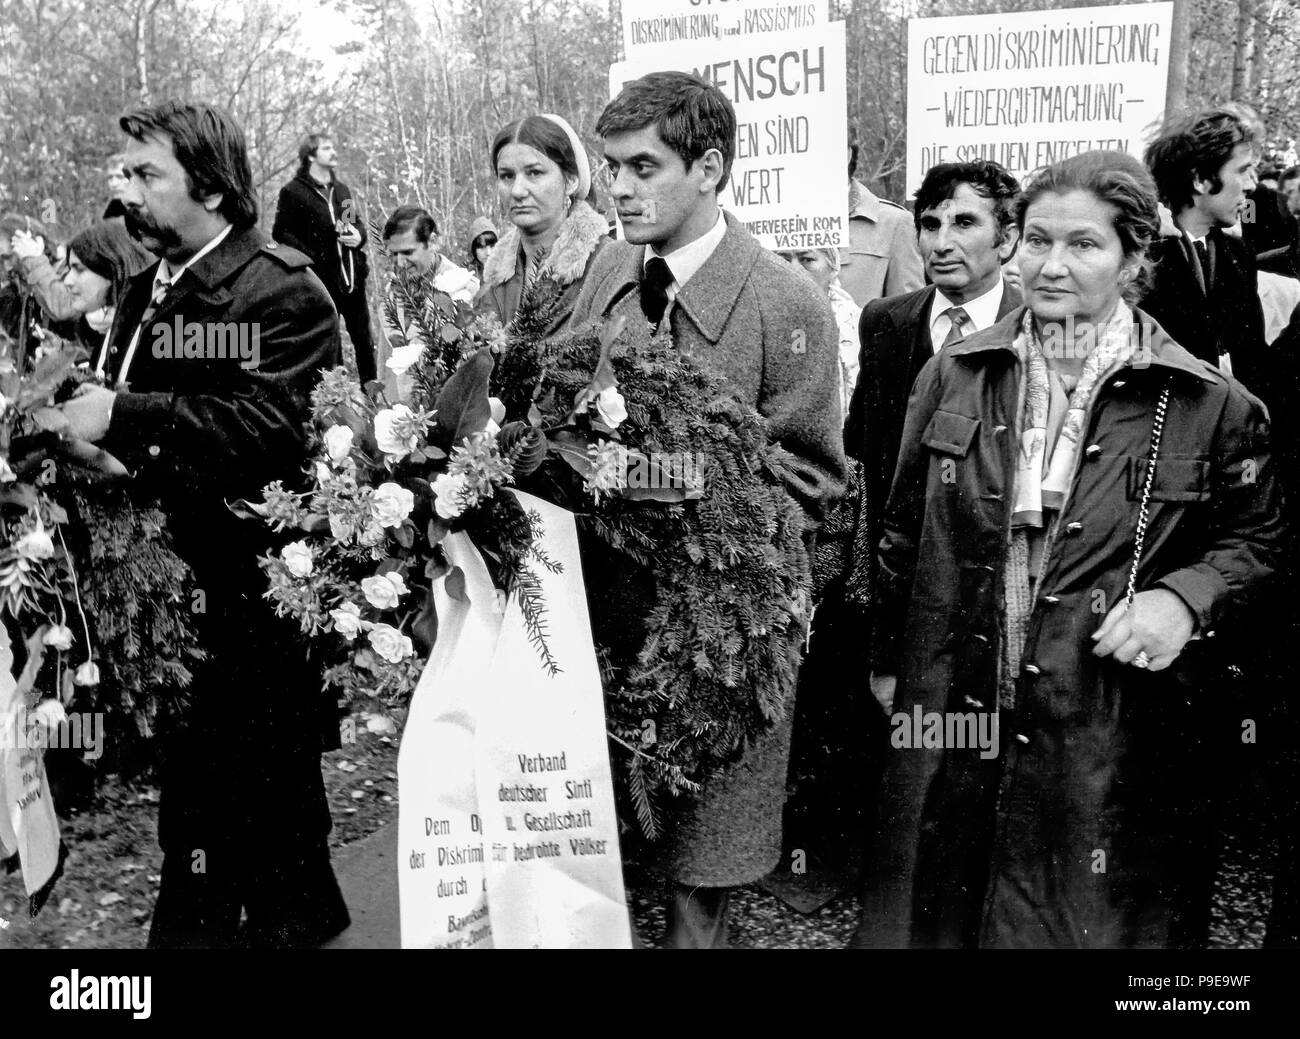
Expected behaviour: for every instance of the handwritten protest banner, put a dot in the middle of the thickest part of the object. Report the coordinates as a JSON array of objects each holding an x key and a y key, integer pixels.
[
  {"x": 789, "y": 184},
  {"x": 648, "y": 23},
  {"x": 1029, "y": 89}
]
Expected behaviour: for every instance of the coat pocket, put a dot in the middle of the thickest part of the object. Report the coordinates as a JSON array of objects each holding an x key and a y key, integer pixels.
[
  {"x": 1177, "y": 479},
  {"x": 950, "y": 433}
]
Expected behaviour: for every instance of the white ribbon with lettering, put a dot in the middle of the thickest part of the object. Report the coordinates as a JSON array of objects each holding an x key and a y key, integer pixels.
[
  {"x": 28, "y": 824},
  {"x": 507, "y": 830}
]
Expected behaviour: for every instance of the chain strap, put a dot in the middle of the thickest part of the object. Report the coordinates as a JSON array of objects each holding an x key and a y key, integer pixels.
[{"x": 1157, "y": 428}]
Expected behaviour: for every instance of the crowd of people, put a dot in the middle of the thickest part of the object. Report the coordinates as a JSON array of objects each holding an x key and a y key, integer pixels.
[{"x": 1043, "y": 429}]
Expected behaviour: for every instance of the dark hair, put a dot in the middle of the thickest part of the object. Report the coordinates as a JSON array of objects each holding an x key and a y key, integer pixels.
[
  {"x": 1196, "y": 147},
  {"x": 690, "y": 116},
  {"x": 108, "y": 249},
  {"x": 547, "y": 137},
  {"x": 1120, "y": 181},
  {"x": 853, "y": 160},
  {"x": 411, "y": 218},
  {"x": 210, "y": 147},
  {"x": 307, "y": 148},
  {"x": 985, "y": 178},
  {"x": 1287, "y": 175}
]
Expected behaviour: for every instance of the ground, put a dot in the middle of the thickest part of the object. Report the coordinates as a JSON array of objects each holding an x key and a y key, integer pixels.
[{"x": 105, "y": 898}]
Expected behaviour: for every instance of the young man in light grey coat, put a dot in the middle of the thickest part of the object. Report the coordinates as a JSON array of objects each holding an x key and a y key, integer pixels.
[{"x": 760, "y": 324}]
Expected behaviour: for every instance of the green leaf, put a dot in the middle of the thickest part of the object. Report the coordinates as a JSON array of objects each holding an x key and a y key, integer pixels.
[
  {"x": 405, "y": 535},
  {"x": 456, "y": 585},
  {"x": 245, "y": 509},
  {"x": 462, "y": 405},
  {"x": 572, "y": 446},
  {"x": 437, "y": 531}
]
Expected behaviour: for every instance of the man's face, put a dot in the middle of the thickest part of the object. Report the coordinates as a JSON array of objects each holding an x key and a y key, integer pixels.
[
  {"x": 1238, "y": 176},
  {"x": 160, "y": 211},
  {"x": 959, "y": 244},
  {"x": 408, "y": 251},
  {"x": 325, "y": 154},
  {"x": 654, "y": 191}
]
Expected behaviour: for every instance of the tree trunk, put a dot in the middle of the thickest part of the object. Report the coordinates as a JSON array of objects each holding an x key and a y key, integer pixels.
[
  {"x": 1242, "y": 49},
  {"x": 1179, "y": 45}
]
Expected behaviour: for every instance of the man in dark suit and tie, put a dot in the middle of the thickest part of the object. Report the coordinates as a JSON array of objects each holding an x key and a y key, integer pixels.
[
  {"x": 966, "y": 231},
  {"x": 1206, "y": 288}
]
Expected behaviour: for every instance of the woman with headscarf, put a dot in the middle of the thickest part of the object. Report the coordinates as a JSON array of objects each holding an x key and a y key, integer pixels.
[
  {"x": 482, "y": 240},
  {"x": 544, "y": 183},
  {"x": 1077, "y": 498}
]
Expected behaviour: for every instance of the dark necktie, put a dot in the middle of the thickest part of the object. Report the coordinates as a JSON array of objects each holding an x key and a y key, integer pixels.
[
  {"x": 956, "y": 331},
  {"x": 654, "y": 289},
  {"x": 1203, "y": 255}
]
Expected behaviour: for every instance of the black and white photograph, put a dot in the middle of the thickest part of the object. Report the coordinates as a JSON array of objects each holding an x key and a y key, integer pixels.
[{"x": 650, "y": 474}]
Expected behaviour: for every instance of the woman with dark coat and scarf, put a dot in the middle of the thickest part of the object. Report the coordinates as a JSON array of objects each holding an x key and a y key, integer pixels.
[
  {"x": 544, "y": 182},
  {"x": 1078, "y": 498},
  {"x": 102, "y": 260}
]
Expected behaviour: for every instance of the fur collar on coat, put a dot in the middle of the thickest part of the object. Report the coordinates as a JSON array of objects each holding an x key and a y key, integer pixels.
[{"x": 580, "y": 234}]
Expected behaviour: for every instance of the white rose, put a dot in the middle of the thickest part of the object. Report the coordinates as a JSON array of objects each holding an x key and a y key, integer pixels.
[
  {"x": 49, "y": 713},
  {"x": 35, "y": 545},
  {"x": 379, "y": 724},
  {"x": 611, "y": 407},
  {"x": 384, "y": 591},
  {"x": 323, "y": 474},
  {"x": 403, "y": 357},
  {"x": 390, "y": 643},
  {"x": 58, "y": 637},
  {"x": 449, "y": 494},
  {"x": 394, "y": 447},
  {"x": 347, "y": 620},
  {"x": 87, "y": 674},
  {"x": 297, "y": 558},
  {"x": 338, "y": 442},
  {"x": 341, "y": 527},
  {"x": 391, "y": 504}
]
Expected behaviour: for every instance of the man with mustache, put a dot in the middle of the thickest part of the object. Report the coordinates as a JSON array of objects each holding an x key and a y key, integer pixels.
[{"x": 243, "y": 820}]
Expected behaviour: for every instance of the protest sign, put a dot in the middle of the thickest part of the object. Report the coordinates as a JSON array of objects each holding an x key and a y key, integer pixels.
[
  {"x": 789, "y": 183},
  {"x": 649, "y": 23},
  {"x": 1028, "y": 89}
]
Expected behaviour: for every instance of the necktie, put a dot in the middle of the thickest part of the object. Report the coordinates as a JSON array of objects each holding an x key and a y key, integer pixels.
[
  {"x": 654, "y": 289},
  {"x": 1203, "y": 254},
  {"x": 160, "y": 290},
  {"x": 959, "y": 318}
]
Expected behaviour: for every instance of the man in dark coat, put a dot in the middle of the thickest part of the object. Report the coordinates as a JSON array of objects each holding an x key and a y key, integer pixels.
[
  {"x": 767, "y": 331},
  {"x": 211, "y": 362},
  {"x": 1206, "y": 289},
  {"x": 966, "y": 231},
  {"x": 316, "y": 215}
]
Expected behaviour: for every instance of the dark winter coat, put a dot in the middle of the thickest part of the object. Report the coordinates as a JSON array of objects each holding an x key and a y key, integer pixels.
[
  {"x": 306, "y": 218},
  {"x": 198, "y": 433},
  {"x": 1087, "y": 828}
]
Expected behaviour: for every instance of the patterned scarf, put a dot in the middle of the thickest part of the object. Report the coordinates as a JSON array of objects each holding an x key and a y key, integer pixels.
[{"x": 1034, "y": 493}]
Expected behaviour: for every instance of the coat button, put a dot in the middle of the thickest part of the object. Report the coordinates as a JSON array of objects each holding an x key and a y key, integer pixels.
[
  {"x": 154, "y": 450},
  {"x": 974, "y": 703},
  {"x": 1051, "y": 600},
  {"x": 1118, "y": 383},
  {"x": 1022, "y": 737},
  {"x": 1092, "y": 451},
  {"x": 1074, "y": 528},
  {"x": 1033, "y": 669}
]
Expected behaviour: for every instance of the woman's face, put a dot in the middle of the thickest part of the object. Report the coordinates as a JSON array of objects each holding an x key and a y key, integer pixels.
[
  {"x": 483, "y": 249},
  {"x": 532, "y": 188},
  {"x": 88, "y": 290},
  {"x": 814, "y": 261},
  {"x": 1070, "y": 258}
]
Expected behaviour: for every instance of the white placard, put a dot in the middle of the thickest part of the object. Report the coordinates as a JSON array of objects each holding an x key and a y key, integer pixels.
[
  {"x": 656, "y": 23},
  {"x": 1029, "y": 89},
  {"x": 789, "y": 183},
  {"x": 507, "y": 832}
]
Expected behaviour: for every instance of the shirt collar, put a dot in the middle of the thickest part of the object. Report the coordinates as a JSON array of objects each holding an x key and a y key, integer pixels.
[
  {"x": 982, "y": 311},
  {"x": 686, "y": 261},
  {"x": 168, "y": 274}
]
